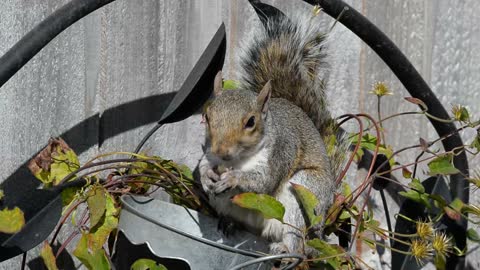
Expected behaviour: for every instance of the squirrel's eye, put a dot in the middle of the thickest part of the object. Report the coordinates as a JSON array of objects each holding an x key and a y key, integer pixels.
[{"x": 250, "y": 123}]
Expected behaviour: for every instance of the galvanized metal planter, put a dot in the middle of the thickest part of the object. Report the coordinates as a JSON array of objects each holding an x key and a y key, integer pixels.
[{"x": 175, "y": 232}]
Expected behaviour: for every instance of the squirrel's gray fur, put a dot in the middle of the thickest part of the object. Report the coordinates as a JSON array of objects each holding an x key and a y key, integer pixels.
[{"x": 282, "y": 88}]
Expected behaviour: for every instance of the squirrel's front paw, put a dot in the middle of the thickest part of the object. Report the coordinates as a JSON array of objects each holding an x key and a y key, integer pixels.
[
  {"x": 208, "y": 180},
  {"x": 228, "y": 180}
]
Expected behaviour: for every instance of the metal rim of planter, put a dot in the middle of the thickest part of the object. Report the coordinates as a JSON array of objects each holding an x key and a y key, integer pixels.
[{"x": 259, "y": 258}]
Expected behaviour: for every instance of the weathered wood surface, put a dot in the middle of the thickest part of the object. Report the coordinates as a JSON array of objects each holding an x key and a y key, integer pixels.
[{"x": 134, "y": 49}]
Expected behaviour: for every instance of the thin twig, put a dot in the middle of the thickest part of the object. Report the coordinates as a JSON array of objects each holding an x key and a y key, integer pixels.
[
  {"x": 367, "y": 178},
  {"x": 357, "y": 146},
  {"x": 64, "y": 219},
  {"x": 64, "y": 244}
]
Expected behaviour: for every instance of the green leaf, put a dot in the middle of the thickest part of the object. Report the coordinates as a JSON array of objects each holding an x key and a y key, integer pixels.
[
  {"x": 325, "y": 249},
  {"x": 406, "y": 173},
  {"x": 344, "y": 215},
  {"x": 265, "y": 204},
  {"x": 96, "y": 202},
  {"x": 142, "y": 167},
  {"x": 147, "y": 264},
  {"x": 98, "y": 235},
  {"x": 335, "y": 209},
  {"x": 454, "y": 209},
  {"x": 476, "y": 142},
  {"x": 442, "y": 165},
  {"x": 48, "y": 257},
  {"x": 92, "y": 259},
  {"x": 347, "y": 190},
  {"x": 416, "y": 197},
  {"x": 471, "y": 209},
  {"x": 457, "y": 204},
  {"x": 64, "y": 162},
  {"x": 369, "y": 142},
  {"x": 417, "y": 185},
  {"x": 439, "y": 201},
  {"x": 460, "y": 113},
  {"x": 68, "y": 195},
  {"x": 1, "y": 194},
  {"x": 230, "y": 85},
  {"x": 309, "y": 202},
  {"x": 440, "y": 262},
  {"x": 54, "y": 162},
  {"x": 185, "y": 171},
  {"x": 11, "y": 221},
  {"x": 472, "y": 235},
  {"x": 370, "y": 243}
]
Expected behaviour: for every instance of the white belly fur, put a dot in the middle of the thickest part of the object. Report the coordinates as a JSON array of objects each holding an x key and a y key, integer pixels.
[{"x": 259, "y": 159}]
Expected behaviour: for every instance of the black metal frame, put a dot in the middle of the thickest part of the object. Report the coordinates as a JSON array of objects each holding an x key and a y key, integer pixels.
[{"x": 190, "y": 98}]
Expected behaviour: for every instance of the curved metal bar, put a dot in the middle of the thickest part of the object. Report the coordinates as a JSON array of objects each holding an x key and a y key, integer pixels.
[
  {"x": 416, "y": 86},
  {"x": 25, "y": 49},
  {"x": 299, "y": 260}
]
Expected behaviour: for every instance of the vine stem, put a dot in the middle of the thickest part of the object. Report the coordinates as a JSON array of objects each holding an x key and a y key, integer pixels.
[
  {"x": 382, "y": 192},
  {"x": 326, "y": 257},
  {"x": 379, "y": 98},
  {"x": 399, "y": 234},
  {"x": 364, "y": 184},
  {"x": 387, "y": 215},
  {"x": 363, "y": 262},
  {"x": 100, "y": 163},
  {"x": 119, "y": 180},
  {"x": 448, "y": 121},
  {"x": 367, "y": 180},
  {"x": 83, "y": 221},
  {"x": 357, "y": 146},
  {"x": 392, "y": 249},
  {"x": 393, "y": 116},
  {"x": 64, "y": 219},
  {"x": 160, "y": 185},
  {"x": 73, "y": 234},
  {"x": 64, "y": 244},
  {"x": 416, "y": 146}
]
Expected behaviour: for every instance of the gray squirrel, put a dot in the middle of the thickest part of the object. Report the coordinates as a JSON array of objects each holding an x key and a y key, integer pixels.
[{"x": 270, "y": 132}]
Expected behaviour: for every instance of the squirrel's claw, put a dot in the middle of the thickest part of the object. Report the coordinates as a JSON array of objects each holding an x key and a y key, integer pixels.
[
  {"x": 213, "y": 175},
  {"x": 228, "y": 180},
  {"x": 208, "y": 180},
  {"x": 222, "y": 186}
]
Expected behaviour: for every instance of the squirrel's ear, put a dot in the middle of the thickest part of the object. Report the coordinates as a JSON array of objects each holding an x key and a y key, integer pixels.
[
  {"x": 218, "y": 84},
  {"x": 264, "y": 96}
]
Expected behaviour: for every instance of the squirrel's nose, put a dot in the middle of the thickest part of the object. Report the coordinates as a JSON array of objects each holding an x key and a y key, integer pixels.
[
  {"x": 223, "y": 152},
  {"x": 226, "y": 157}
]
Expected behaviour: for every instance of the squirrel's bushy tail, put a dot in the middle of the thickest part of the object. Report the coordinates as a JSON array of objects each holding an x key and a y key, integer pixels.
[{"x": 291, "y": 53}]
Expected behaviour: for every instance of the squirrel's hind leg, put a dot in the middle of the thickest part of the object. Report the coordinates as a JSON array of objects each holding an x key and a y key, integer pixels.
[
  {"x": 323, "y": 187},
  {"x": 286, "y": 238},
  {"x": 322, "y": 184}
]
